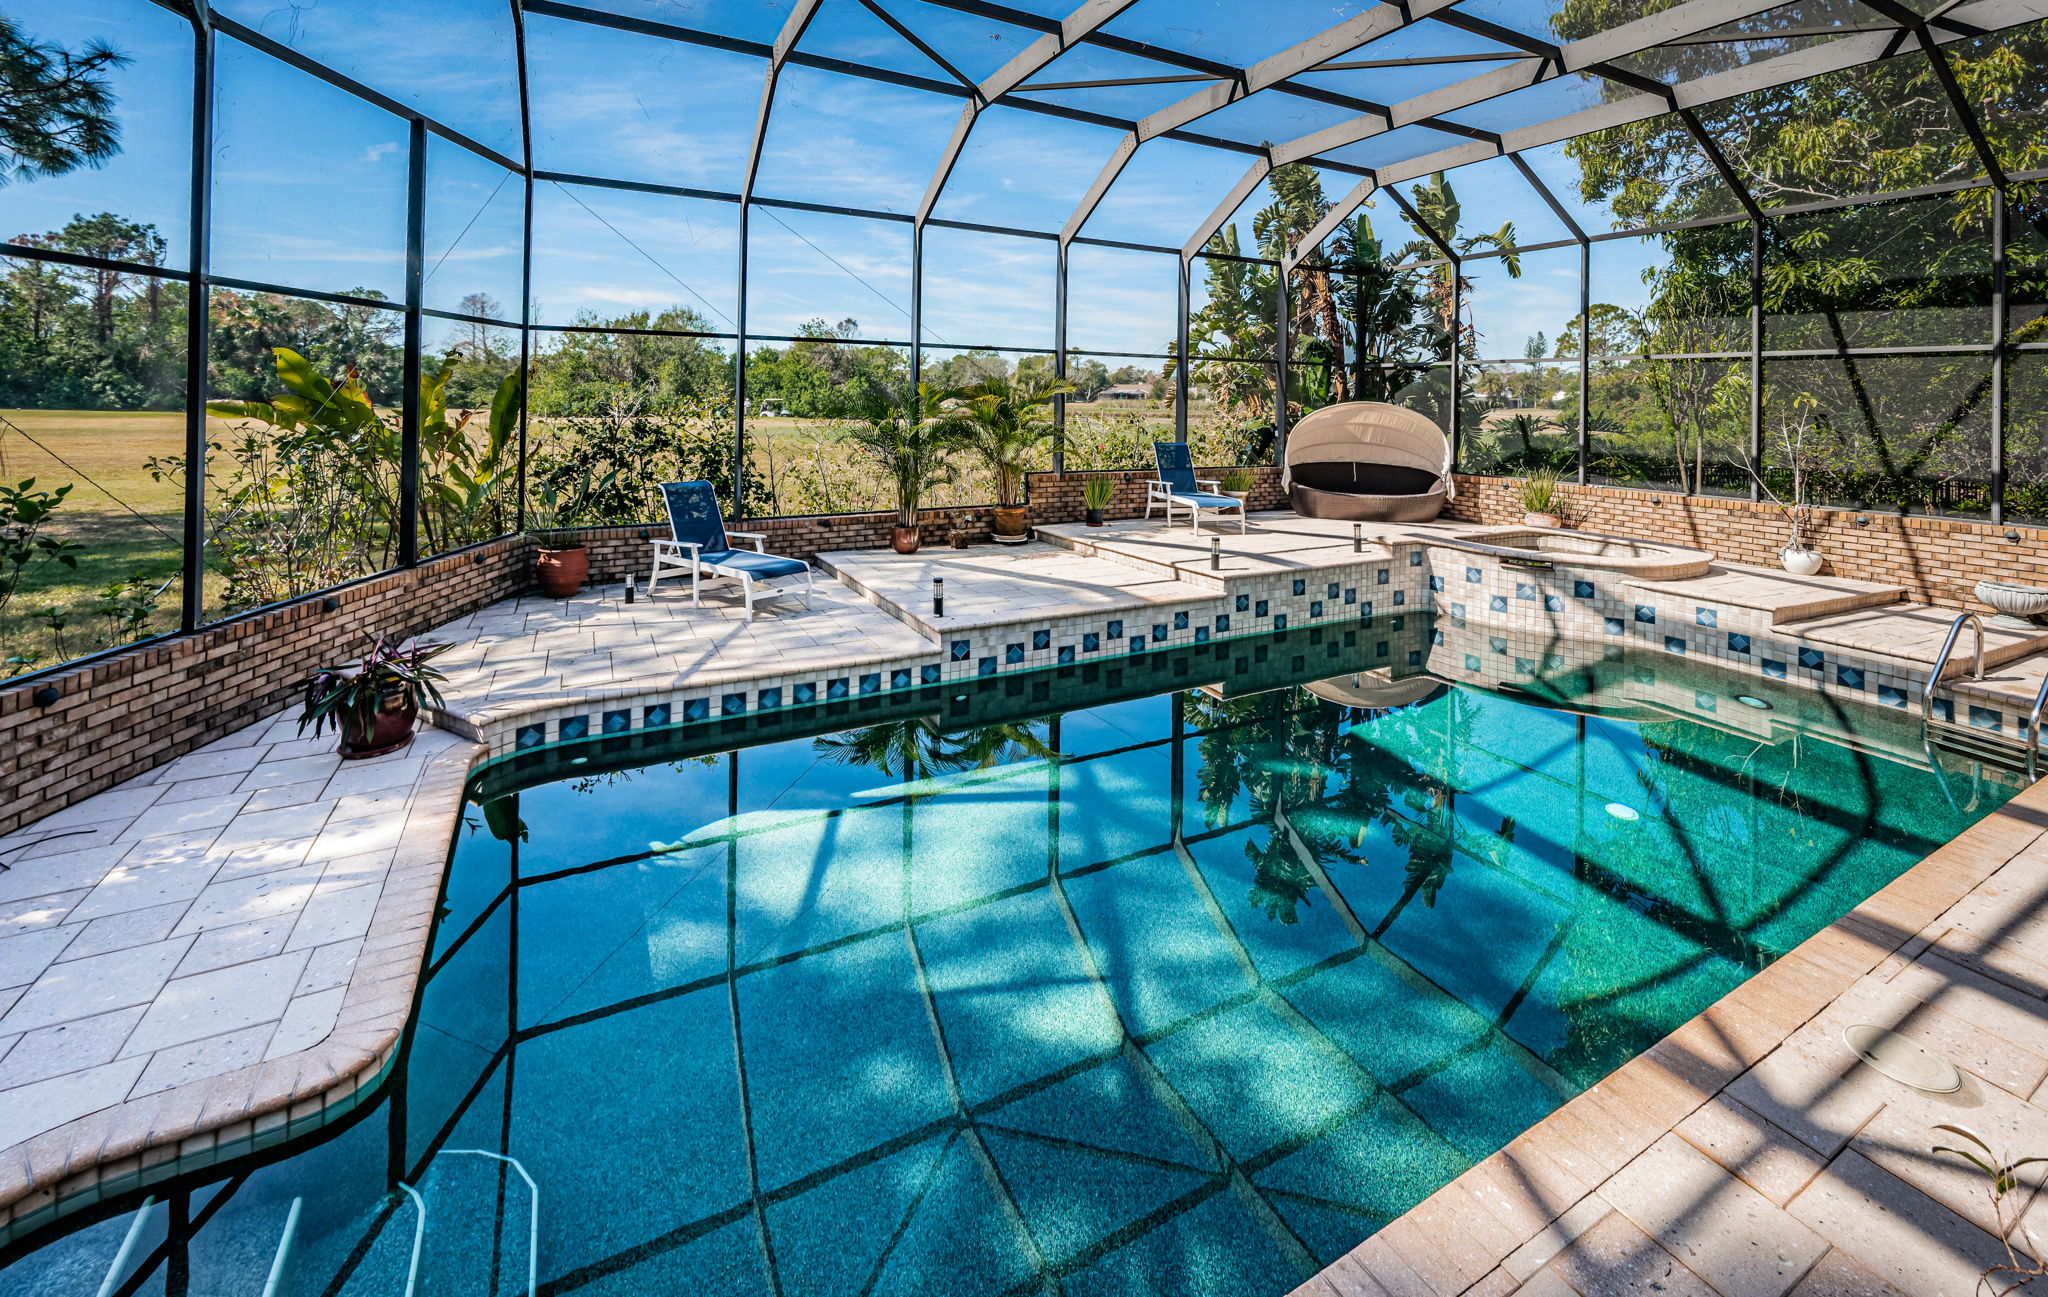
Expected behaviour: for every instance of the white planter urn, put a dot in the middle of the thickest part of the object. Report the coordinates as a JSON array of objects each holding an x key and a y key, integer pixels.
[
  {"x": 2015, "y": 604},
  {"x": 1541, "y": 520},
  {"x": 1800, "y": 562}
]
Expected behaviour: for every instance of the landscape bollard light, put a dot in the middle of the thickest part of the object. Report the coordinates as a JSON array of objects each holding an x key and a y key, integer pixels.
[
  {"x": 938, "y": 596},
  {"x": 1215, "y": 553},
  {"x": 1358, "y": 538}
]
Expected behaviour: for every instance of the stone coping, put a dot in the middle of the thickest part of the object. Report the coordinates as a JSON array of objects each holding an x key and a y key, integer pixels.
[
  {"x": 1747, "y": 1153},
  {"x": 189, "y": 1126},
  {"x": 1641, "y": 560}
]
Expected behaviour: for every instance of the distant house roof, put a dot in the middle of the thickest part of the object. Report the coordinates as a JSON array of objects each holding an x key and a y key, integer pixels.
[{"x": 1128, "y": 392}]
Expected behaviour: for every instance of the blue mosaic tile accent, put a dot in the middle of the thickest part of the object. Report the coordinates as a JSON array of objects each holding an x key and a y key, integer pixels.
[
  {"x": 1159, "y": 631},
  {"x": 1315, "y": 608},
  {"x": 1471, "y": 662},
  {"x": 1244, "y": 603},
  {"x": 1458, "y": 611},
  {"x": 697, "y": 709},
  {"x": 1436, "y": 586},
  {"x": 1381, "y": 576},
  {"x": 1553, "y": 603},
  {"x": 1849, "y": 677},
  {"x": 1400, "y": 597},
  {"x": 1137, "y": 643},
  {"x": 1259, "y": 609},
  {"x": 1415, "y": 657},
  {"x": 1524, "y": 666},
  {"x": 1201, "y": 634},
  {"x": 871, "y": 683},
  {"x": 1091, "y": 641},
  {"x": 1554, "y": 662},
  {"x": 1984, "y": 718},
  {"x": 1365, "y": 608},
  {"x": 1705, "y": 701},
  {"x": 929, "y": 673},
  {"x": 1066, "y": 652},
  {"x": 1300, "y": 586},
  {"x": 573, "y": 727},
  {"x": 1351, "y": 594},
  {"x": 771, "y": 697},
  {"x": 1812, "y": 659},
  {"x": 1013, "y": 653},
  {"x": 1582, "y": 589},
  {"x": 1180, "y": 621},
  {"x": 1041, "y": 640},
  {"x": 961, "y": 648},
  {"x": 1706, "y": 617},
  {"x": 1115, "y": 629},
  {"x": 987, "y": 666},
  {"x": 732, "y": 705},
  {"x": 618, "y": 722},
  {"x": 1222, "y": 622},
  {"x": 1523, "y": 590},
  {"x": 1775, "y": 670},
  {"x": 1945, "y": 708},
  {"x": 1891, "y": 695},
  {"x": 1674, "y": 643},
  {"x": 804, "y": 693},
  {"x": 1280, "y": 622},
  {"x": 837, "y": 687},
  {"x": 1330, "y": 592},
  {"x": 1497, "y": 602},
  {"x": 1436, "y": 637},
  {"x": 1498, "y": 643},
  {"x": 1615, "y": 625},
  {"x": 530, "y": 736},
  {"x": 1738, "y": 643},
  {"x": 657, "y": 714},
  {"x": 1415, "y": 558},
  {"x": 1474, "y": 575},
  {"x": 900, "y": 678},
  {"x": 1380, "y": 649},
  {"x": 1646, "y": 614}
]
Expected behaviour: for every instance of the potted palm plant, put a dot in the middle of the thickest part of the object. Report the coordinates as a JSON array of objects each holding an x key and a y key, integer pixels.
[
  {"x": 1542, "y": 499},
  {"x": 1005, "y": 422},
  {"x": 562, "y": 563},
  {"x": 1096, "y": 493},
  {"x": 909, "y": 442},
  {"x": 1237, "y": 482},
  {"x": 375, "y": 700}
]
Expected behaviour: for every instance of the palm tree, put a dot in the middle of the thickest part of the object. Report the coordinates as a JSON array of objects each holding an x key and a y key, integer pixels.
[
  {"x": 1436, "y": 203},
  {"x": 1005, "y": 420},
  {"x": 909, "y": 439}
]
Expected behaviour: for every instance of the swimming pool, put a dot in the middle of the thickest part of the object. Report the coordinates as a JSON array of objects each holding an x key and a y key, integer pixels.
[{"x": 1186, "y": 984}]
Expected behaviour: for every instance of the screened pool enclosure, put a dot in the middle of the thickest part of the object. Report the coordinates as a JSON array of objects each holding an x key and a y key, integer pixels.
[{"x": 550, "y": 254}]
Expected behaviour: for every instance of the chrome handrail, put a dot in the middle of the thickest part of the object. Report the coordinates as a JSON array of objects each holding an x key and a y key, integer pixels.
[
  {"x": 2034, "y": 726},
  {"x": 1948, "y": 646}
]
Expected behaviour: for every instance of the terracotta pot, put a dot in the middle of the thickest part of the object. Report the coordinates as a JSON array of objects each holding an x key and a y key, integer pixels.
[
  {"x": 390, "y": 731},
  {"x": 903, "y": 540},
  {"x": 1095, "y": 518},
  {"x": 561, "y": 571},
  {"x": 1010, "y": 519},
  {"x": 1541, "y": 520}
]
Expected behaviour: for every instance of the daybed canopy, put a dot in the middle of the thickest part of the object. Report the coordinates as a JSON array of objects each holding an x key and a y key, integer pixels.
[{"x": 1368, "y": 461}]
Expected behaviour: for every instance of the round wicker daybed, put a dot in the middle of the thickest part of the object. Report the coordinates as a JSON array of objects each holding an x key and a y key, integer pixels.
[{"x": 1365, "y": 461}]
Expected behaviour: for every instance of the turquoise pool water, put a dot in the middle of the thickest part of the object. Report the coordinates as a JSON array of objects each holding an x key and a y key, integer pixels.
[{"x": 1176, "y": 990}]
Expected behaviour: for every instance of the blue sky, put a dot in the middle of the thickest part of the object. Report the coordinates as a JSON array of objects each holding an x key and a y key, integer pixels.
[{"x": 309, "y": 181}]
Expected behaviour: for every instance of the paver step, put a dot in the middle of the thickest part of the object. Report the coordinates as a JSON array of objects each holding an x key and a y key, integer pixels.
[
  {"x": 1914, "y": 633},
  {"x": 1787, "y": 598}
]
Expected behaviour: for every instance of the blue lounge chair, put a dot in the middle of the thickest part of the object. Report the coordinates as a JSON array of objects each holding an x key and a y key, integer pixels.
[
  {"x": 700, "y": 544},
  {"x": 1178, "y": 485}
]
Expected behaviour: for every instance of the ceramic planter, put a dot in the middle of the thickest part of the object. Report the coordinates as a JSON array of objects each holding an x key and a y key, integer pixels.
[
  {"x": 903, "y": 540},
  {"x": 2016, "y": 605},
  {"x": 1095, "y": 518},
  {"x": 390, "y": 730},
  {"x": 562, "y": 571},
  {"x": 1541, "y": 520},
  {"x": 1009, "y": 519},
  {"x": 1800, "y": 562}
]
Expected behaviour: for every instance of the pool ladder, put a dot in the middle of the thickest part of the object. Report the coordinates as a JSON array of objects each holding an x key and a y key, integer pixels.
[{"x": 2020, "y": 751}]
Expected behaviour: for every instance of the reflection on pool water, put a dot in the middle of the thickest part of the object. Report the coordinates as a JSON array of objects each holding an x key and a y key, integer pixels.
[{"x": 1175, "y": 994}]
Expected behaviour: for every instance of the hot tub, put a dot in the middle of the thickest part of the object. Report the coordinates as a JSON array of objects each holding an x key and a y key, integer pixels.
[{"x": 1536, "y": 548}]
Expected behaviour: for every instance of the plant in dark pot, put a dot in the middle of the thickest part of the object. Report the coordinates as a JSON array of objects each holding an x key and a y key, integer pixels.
[
  {"x": 1007, "y": 422},
  {"x": 1096, "y": 493},
  {"x": 905, "y": 437},
  {"x": 374, "y": 701},
  {"x": 562, "y": 563}
]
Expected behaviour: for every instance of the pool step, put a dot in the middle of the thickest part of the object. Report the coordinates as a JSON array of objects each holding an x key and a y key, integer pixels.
[
  {"x": 1913, "y": 632},
  {"x": 1787, "y": 598}
]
